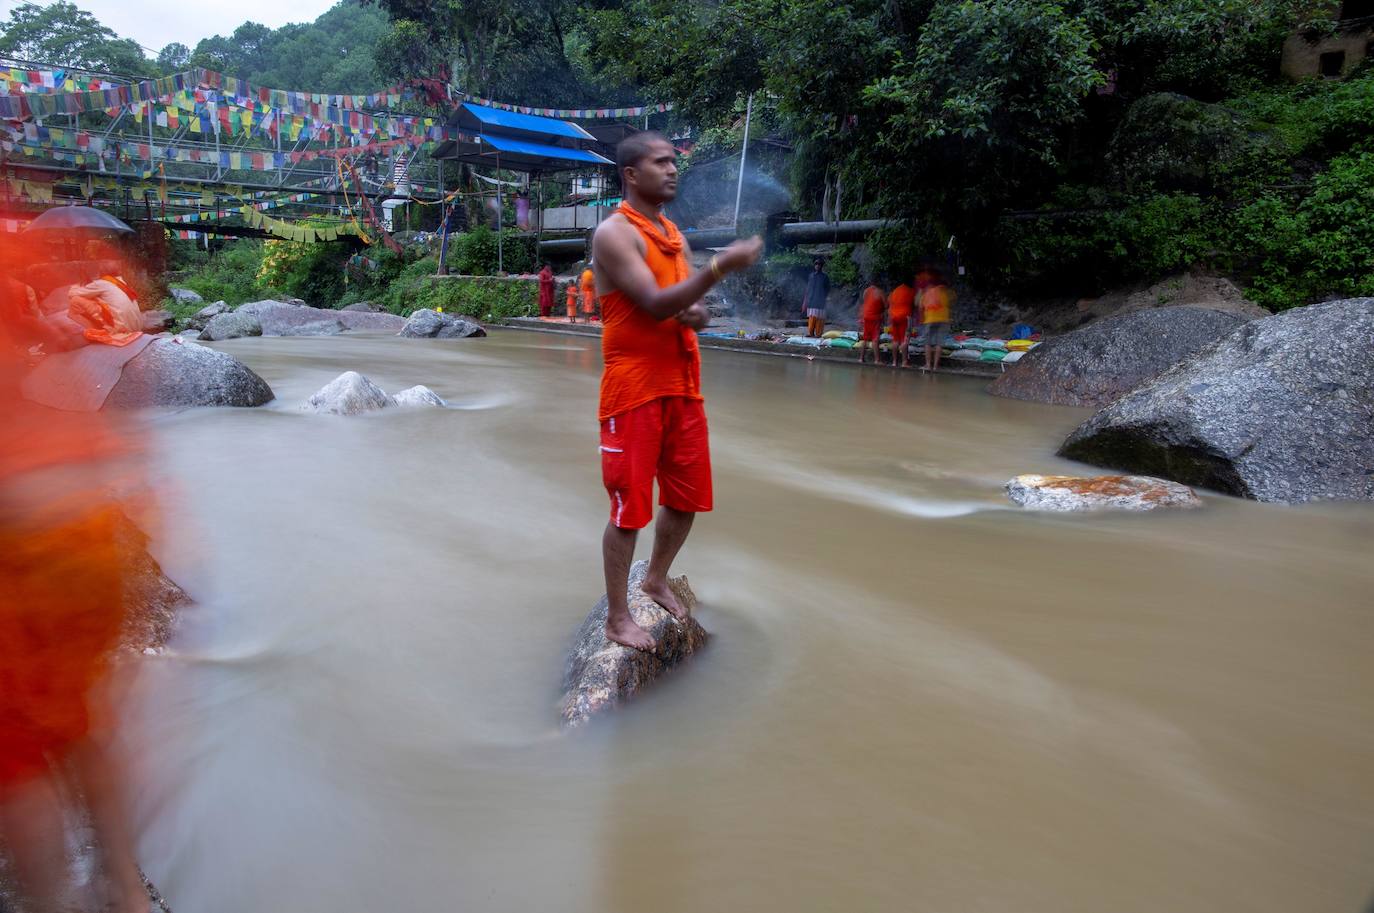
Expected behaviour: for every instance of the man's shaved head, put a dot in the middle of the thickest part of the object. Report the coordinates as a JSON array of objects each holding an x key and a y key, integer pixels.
[{"x": 635, "y": 146}]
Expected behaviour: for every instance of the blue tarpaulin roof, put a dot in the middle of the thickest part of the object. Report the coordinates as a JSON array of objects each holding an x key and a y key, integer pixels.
[
  {"x": 527, "y": 150},
  {"x": 526, "y": 123}
]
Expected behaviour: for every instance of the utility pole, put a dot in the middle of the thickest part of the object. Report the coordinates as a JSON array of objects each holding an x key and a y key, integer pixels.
[{"x": 743, "y": 155}]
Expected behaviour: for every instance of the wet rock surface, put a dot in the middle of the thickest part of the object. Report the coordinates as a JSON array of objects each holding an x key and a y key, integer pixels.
[
  {"x": 233, "y": 325},
  {"x": 331, "y": 327},
  {"x": 203, "y": 316},
  {"x": 158, "y": 321},
  {"x": 419, "y": 395},
  {"x": 1077, "y": 493},
  {"x": 601, "y": 674},
  {"x": 186, "y": 296},
  {"x": 152, "y": 599},
  {"x": 174, "y": 372},
  {"x": 1281, "y": 409},
  {"x": 429, "y": 324},
  {"x": 349, "y": 394},
  {"x": 277, "y": 317},
  {"x": 1100, "y": 362}
]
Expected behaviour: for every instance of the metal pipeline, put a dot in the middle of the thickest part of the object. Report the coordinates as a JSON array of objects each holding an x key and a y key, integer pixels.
[{"x": 787, "y": 234}]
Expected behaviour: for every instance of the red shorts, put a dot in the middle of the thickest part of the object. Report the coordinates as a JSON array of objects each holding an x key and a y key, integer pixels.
[
  {"x": 873, "y": 329},
  {"x": 900, "y": 327},
  {"x": 664, "y": 438}
]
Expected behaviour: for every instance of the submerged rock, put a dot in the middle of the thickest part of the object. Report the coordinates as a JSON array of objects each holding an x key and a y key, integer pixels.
[
  {"x": 174, "y": 372},
  {"x": 1095, "y": 364},
  {"x": 429, "y": 324},
  {"x": 233, "y": 325},
  {"x": 1073, "y": 493},
  {"x": 601, "y": 674},
  {"x": 279, "y": 317},
  {"x": 1281, "y": 409},
  {"x": 153, "y": 601},
  {"x": 349, "y": 394},
  {"x": 419, "y": 395}
]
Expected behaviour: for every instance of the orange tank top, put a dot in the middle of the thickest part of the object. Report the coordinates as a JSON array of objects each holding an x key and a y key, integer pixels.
[
  {"x": 902, "y": 301},
  {"x": 873, "y": 304},
  {"x": 935, "y": 305},
  {"x": 647, "y": 359}
]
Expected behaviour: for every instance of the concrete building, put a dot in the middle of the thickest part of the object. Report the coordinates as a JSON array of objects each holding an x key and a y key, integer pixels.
[{"x": 1307, "y": 54}]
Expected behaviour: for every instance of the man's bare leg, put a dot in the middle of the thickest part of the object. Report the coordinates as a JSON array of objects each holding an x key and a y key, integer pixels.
[
  {"x": 617, "y": 552},
  {"x": 31, "y": 823},
  {"x": 103, "y": 784},
  {"x": 670, "y": 531}
]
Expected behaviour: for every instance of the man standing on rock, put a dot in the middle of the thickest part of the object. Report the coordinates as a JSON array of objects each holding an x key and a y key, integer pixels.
[{"x": 653, "y": 421}]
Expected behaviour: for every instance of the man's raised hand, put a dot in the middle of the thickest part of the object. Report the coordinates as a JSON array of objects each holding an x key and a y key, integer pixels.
[{"x": 740, "y": 255}]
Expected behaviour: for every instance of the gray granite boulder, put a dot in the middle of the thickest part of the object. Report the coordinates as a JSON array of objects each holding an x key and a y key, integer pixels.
[
  {"x": 174, "y": 372},
  {"x": 419, "y": 395},
  {"x": 365, "y": 307},
  {"x": 186, "y": 296},
  {"x": 1073, "y": 493},
  {"x": 232, "y": 325},
  {"x": 200, "y": 318},
  {"x": 331, "y": 327},
  {"x": 601, "y": 674},
  {"x": 349, "y": 394},
  {"x": 277, "y": 317},
  {"x": 1097, "y": 363},
  {"x": 1281, "y": 409},
  {"x": 430, "y": 324}
]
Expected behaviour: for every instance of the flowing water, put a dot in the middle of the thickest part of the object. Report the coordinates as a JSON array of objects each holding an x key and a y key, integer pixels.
[{"x": 916, "y": 699}]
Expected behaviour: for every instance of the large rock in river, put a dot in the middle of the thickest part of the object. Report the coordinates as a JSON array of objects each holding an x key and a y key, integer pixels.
[
  {"x": 1097, "y": 363},
  {"x": 233, "y": 325},
  {"x": 419, "y": 395},
  {"x": 1281, "y": 409},
  {"x": 277, "y": 317},
  {"x": 430, "y": 324},
  {"x": 152, "y": 600},
  {"x": 174, "y": 372},
  {"x": 349, "y": 394},
  {"x": 601, "y": 674}
]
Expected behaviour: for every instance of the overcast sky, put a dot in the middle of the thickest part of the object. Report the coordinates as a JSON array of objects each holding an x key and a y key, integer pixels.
[{"x": 157, "y": 23}]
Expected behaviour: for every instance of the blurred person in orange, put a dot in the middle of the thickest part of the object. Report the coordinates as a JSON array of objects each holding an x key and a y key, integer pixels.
[
  {"x": 61, "y": 612},
  {"x": 588, "y": 294}
]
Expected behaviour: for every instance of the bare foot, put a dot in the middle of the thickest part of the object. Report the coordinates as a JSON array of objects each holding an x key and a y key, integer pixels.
[
  {"x": 629, "y": 634},
  {"x": 663, "y": 594}
]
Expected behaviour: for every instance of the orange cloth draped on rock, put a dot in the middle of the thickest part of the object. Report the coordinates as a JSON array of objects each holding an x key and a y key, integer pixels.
[
  {"x": 61, "y": 565},
  {"x": 902, "y": 301},
  {"x": 588, "y": 292},
  {"x": 646, "y": 358},
  {"x": 873, "y": 304},
  {"x": 108, "y": 309}
]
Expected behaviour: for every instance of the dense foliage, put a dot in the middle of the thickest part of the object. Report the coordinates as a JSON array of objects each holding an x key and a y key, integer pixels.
[{"x": 62, "y": 32}]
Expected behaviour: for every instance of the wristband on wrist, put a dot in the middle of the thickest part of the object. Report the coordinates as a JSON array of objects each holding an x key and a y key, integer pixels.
[{"x": 715, "y": 268}]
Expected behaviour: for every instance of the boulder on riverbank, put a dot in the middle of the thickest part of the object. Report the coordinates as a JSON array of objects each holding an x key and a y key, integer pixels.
[
  {"x": 186, "y": 296},
  {"x": 601, "y": 674},
  {"x": 232, "y": 325},
  {"x": 174, "y": 372},
  {"x": 277, "y": 317},
  {"x": 159, "y": 321},
  {"x": 331, "y": 327},
  {"x": 1095, "y": 364},
  {"x": 430, "y": 324},
  {"x": 1075, "y": 493},
  {"x": 419, "y": 395},
  {"x": 200, "y": 318},
  {"x": 1281, "y": 409},
  {"x": 349, "y": 394}
]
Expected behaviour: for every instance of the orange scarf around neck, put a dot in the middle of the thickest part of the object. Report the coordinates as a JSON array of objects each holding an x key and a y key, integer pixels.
[{"x": 665, "y": 236}]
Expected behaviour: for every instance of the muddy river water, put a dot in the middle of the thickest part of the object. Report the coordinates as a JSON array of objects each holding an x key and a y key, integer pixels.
[{"x": 918, "y": 698}]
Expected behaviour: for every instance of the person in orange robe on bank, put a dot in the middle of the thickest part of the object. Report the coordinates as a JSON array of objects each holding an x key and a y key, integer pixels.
[
  {"x": 901, "y": 305},
  {"x": 572, "y": 302},
  {"x": 936, "y": 298},
  {"x": 546, "y": 291},
  {"x": 588, "y": 294},
  {"x": 62, "y": 581},
  {"x": 871, "y": 318},
  {"x": 653, "y": 420}
]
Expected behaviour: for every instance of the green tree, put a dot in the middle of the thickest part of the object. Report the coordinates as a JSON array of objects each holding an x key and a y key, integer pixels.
[{"x": 61, "y": 33}]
